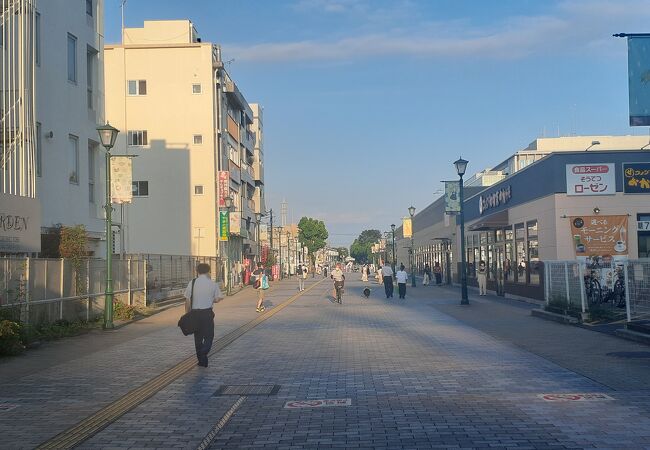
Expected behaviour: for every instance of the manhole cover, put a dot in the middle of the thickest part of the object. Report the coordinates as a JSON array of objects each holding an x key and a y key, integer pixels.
[
  {"x": 248, "y": 389},
  {"x": 629, "y": 354}
]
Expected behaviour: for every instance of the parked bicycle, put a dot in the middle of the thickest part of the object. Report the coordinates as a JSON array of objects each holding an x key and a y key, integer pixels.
[{"x": 617, "y": 293}]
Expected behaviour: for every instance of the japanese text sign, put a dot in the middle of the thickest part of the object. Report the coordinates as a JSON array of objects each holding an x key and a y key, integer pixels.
[
  {"x": 599, "y": 235},
  {"x": 407, "y": 231},
  {"x": 590, "y": 179},
  {"x": 636, "y": 178},
  {"x": 224, "y": 225},
  {"x": 224, "y": 189}
]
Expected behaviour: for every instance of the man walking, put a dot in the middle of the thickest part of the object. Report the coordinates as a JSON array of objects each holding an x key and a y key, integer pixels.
[
  {"x": 386, "y": 274},
  {"x": 302, "y": 276},
  {"x": 259, "y": 274},
  {"x": 200, "y": 294},
  {"x": 402, "y": 277}
]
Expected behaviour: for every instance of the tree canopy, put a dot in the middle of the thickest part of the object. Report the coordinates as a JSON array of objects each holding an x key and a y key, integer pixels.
[
  {"x": 343, "y": 253},
  {"x": 360, "y": 249},
  {"x": 312, "y": 234}
]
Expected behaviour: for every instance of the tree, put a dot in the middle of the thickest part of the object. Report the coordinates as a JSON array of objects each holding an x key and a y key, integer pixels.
[
  {"x": 343, "y": 253},
  {"x": 312, "y": 234},
  {"x": 360, "y": 249}
]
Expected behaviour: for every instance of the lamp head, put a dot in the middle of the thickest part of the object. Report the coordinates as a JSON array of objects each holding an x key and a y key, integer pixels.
[
  {"x": 411, "y": 210},
  {"x": 228, "y": 202},
  {"x": 107, "y": 135},
  {"x": 461, "y": 166},
  {"x": 392, "y": 227},
  {"x": 596, "y": 210},
  {"x": 258, "y": 217}
]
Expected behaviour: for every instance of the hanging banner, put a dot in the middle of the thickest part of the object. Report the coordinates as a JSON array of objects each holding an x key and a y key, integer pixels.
[
  {"x": 235, "y": 222},
  {"x": 407, "y": 231},
  {"x": 121, "y": 179},
  {"x": 224, "y": 189},
  {"x": 599, "y": 235},
  {"x": 224, "y": 225},
  {"x": 638, "y": 71},
  {"x": 452, "y": 197},
  {"x": 636, "y": 178},
  {"x": 590, "y": 179}
]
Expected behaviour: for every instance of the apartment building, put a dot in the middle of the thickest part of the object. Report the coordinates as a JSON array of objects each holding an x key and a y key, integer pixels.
[{"x": 194, "y": 137}]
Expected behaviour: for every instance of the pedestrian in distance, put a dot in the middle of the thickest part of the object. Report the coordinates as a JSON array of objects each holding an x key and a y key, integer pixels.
[
  {"x": 482, "y": 278},
  {"x": 258, "y": 284},
  {"x": 427, "y": 275},
  {"x": 364, "y": 273},
  {"x": 302, "y": 276},
  {"x": 325, "y": 272},
  {"x": 402, "y": 278},
  {"x": 200, "y": 294},
  {"x": 437, "y": 272},
  {"x": 386, "y": 275}
]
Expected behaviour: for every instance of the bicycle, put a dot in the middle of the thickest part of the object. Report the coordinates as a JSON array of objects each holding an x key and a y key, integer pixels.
[
  {"x": 338, "y": 287},
  {"x": 593, "y": 290}
]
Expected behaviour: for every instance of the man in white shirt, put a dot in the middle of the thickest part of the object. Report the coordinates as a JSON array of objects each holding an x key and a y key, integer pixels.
[
  {"x": 402, "y": 278},
  {"x": 200, "y": 294},
  {"x": 387, "y": 275}
]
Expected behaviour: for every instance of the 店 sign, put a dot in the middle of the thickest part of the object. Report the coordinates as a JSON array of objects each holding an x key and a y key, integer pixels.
[
  {"x": 590, "y": 179},
  {"x": 636, "y": 178},
  {"x": 224, "y": 189},
  {"x": 599, "y": 235},
  {"x": 224, "y": 225}
]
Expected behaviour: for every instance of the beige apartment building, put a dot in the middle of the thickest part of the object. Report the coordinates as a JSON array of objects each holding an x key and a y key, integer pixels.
[{"x": 185, "y": 119}]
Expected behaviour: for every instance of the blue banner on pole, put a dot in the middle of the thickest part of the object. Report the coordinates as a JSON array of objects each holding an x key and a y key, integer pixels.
[{"x": 638, "y": 67}]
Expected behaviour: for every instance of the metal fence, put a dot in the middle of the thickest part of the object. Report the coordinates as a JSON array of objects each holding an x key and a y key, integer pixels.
[
  {"x": 40, "y": 290},
  {"x": 608, "y": 289}
]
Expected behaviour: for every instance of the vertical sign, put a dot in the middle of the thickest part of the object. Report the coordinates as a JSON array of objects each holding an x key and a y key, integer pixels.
[
  {"x": 235, "y": 222},
  {"x": 407, "y": 231},
  {"x": 224, "y": 188},
  {"x": 224, "y": 225},
  {"x": 638, "y": 71},
  {"x": 452, "y": 197},
  {"x": 121, "y": 179}
]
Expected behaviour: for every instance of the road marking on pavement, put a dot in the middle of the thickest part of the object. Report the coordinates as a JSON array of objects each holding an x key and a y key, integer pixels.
[
  {"x": 581, "y": 397},
  {"x": 297, "y": 404},
  {"x": 93, "y": 424},
  {"x": 4, "y": 407},
  {"x": 207, "y": 440}
]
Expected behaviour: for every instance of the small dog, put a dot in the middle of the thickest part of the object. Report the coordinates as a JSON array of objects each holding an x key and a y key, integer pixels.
[{"x": 366, "y": 292}]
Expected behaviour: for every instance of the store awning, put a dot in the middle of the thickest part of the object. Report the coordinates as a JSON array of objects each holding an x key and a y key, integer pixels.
[{"x": 491, "y": 222}]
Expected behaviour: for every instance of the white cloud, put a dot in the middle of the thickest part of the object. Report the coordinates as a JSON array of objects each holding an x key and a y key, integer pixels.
[{"x": 573, "y": 25}]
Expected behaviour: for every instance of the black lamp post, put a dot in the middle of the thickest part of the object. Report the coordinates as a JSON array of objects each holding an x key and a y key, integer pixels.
[
  {"x": 258, "y": 219},
  {"x": 394, "y": 257},
  {"x": 107, "y": 136},
  {"x": 461, "y": 166},
  {"x": 412, "y": 213}
]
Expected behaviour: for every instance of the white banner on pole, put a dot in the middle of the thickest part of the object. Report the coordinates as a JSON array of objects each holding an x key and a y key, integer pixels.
[{"x": 121, "y": 179}]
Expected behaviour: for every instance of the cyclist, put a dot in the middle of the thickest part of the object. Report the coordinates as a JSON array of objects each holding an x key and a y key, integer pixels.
[{"x": 339, "y": 280}]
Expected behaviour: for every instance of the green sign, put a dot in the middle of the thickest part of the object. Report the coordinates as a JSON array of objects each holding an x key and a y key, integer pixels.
[{"x": 224, "y": 225}]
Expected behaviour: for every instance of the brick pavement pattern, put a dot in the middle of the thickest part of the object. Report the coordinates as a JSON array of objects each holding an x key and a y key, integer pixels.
[{"x": 421, "y": 373}]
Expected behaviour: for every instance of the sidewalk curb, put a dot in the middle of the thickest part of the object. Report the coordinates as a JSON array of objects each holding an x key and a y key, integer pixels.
[
  {"x": 546, "y": 315},
  {"x": 635, "y": 336}
]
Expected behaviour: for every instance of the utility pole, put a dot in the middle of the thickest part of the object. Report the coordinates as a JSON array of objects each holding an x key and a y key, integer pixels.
[{"x": 271, "y": 238}]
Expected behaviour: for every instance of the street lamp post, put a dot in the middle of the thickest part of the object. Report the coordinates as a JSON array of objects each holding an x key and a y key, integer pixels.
[
  {"x": 394, "y": 257},
  {"x": 107, "y": 136},
  {"x": 258, "y": 219},
  {"x": 412, "y": 213},
  {"x": 229, "y": 206},
  {"x": 461, "y": 167}
]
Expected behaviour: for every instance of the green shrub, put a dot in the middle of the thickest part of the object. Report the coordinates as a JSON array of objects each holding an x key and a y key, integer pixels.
[
  {"x": 122, "y": 311},
  {"x": 10, "y": 338}
]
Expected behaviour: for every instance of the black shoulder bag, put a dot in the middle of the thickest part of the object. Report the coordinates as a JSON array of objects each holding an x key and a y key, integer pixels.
[{"x": 188, "y": 323}]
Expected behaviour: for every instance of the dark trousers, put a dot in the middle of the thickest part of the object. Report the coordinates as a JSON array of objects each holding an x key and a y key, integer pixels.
[
  {"x": 388, "y": 286},
  {"x": 401, "y": 288},
  {"x": 438, "y": 278},
  {"x": 204, "y": 335}
]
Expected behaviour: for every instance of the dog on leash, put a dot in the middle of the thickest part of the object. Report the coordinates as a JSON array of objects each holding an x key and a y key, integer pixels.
[{"x": 366, "y": 292}]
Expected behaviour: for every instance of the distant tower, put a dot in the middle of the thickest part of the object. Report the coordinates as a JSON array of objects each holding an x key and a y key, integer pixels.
[{"x": 283, "y": 213}]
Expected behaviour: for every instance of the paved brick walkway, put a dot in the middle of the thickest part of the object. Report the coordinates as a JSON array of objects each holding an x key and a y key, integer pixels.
[{"x": 420, "y": 373}]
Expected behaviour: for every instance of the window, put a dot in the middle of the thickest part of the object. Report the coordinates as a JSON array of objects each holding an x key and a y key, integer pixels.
[
  {"x": 72, "y": 58},
  {"x": 91, "y": 54},
  {"x": 196, "y": 88},
  {"x": 140, "y": 188},
  {"x": 89, "y": 7},
  {"x": 37, "y": 38},
  {"x": 91, "y": 171},
  {"x": 198, "y": 139},
  {"x": 198, "y": 189},
  {"x": 39, "y": 150},
  {"x": 532, "y": 228},
  {"x": 137, "y": 138},
  {"x": 137, "y": 87},
  {"x": 533, "y": 261},
  {"x": 73, "y": 159}
]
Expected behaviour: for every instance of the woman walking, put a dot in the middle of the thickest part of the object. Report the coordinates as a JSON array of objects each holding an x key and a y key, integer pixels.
[
  {"x": 437, "y": 272},
  {"x": 427, "y": 275},
  {"x": 364, "y": 272},
  {"x": 402, "y": 277},
  {"x": 482, "y": 278}
]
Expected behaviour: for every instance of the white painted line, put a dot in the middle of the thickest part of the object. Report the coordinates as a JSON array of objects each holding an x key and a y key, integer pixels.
[
  {"x": 4, "y": 407},
  {"x": 296, "y": 404},
  {"x": 580, "y": 397}
]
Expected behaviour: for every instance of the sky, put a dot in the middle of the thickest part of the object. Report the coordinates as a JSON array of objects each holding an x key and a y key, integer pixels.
[{"x": 367, "y": 103}]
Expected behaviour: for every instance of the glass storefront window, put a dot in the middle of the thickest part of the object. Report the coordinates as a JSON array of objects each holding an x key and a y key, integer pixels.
[
  {"x": 520, "y": 231},
  {"x": 483, "y": 238},
  {"x": 490, "y": 237},
  {"x": 522, "y": 262},
  {"x": 509, "y": 234},
  {"x": 499, "y": 235},
  {"x": 532, "y": 228},
  {"x": 533, "y": 261},
  {"x": 508, "y": 264}
]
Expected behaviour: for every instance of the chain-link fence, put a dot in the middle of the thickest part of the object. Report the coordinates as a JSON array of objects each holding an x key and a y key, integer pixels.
[{"x": 612, "y": 289}]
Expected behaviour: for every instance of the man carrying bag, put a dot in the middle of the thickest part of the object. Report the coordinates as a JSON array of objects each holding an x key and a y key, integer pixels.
[{"x": 200, "y": 294}]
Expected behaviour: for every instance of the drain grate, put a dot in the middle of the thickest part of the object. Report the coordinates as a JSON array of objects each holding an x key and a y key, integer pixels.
[
  {"x": 248, "y": 389},
  {"x": 629, "y": 354}
]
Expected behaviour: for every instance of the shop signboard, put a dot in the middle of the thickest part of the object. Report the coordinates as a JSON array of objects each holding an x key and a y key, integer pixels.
[
  {"x": 224, "y": 189},
  {"x": 407, "y": 231},
  {"x": 224, "y": 225},
  {"x": 638, "y": 71},
  {"x": 121, "y": 179},
  {"x": 452, "y": 197},
  {"x": 20, "y": 224},
  {"x": 590, "y": 179},
  {"x": 599, "y": 235},
  {"x": 636, "y": 178},
  {"x": 494, "y": 199}
]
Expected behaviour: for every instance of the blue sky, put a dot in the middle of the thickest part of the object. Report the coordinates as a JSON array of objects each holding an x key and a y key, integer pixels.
[{"x": 368, "y": 102}]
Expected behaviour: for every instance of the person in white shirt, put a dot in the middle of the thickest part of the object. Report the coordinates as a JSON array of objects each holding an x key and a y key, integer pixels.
[
  {"x": 386, "y": 274},
  {"x": 402, "y": 278},
  {"x": 200, "y": 294}
]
